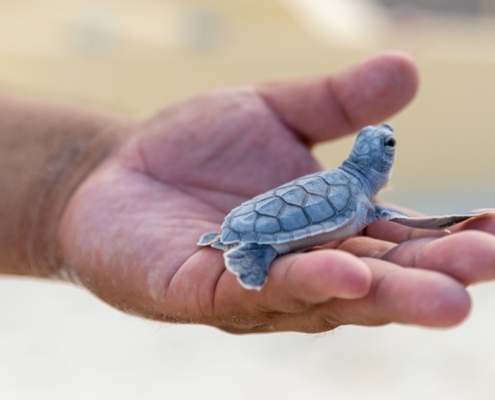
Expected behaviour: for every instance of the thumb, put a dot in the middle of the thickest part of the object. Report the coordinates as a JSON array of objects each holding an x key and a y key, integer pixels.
[{"x": 327, "y": 107}]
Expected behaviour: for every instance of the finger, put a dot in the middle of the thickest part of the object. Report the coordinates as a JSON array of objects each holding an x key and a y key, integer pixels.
[
  {"x": 397, "y": 233},
  {"x": 311, "y": 278},
  {"x": 328, "y": 107},
  {"x": 469, "y": 257},
  {"x": 362, "y": 246},
  {"x": 485, "y": 223},
  {"x": 297, "y": 282},
  {"x": 402, "y": 295}
]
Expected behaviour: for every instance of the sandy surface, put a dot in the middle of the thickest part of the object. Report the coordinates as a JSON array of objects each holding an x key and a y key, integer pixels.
[{"x": 58, "y": 342}]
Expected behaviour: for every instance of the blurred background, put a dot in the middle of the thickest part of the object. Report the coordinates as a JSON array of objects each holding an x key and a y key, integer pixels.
[{"x": 136, "y": 56}]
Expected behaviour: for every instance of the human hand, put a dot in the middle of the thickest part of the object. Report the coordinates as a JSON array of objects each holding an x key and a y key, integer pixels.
[{"x": 129, "y": 232}]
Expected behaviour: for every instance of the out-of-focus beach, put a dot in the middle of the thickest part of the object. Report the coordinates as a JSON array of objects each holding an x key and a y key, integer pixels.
[
  {"x": 134, "y": 57},
  {"x": 59, "y": 342}
]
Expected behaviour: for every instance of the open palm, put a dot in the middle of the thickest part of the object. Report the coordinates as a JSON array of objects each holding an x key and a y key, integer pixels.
[{"x": 129, "y": 233}]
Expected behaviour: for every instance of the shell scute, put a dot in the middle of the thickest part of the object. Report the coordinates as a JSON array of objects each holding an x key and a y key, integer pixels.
[
  {"x": 283, "y": 190},
  {"x": 315, "y": 229},
  {"x": 352, "y": 205},
  {"x": 249, "y": 237},
  {"x": 284, "y": 237},
  {"x": 300, "y": 234},
  {"x": 270, "y": 207},
  {"x": 341, "y": 218},
  {"x": 329, "y": 224},
  {"x": 266, "y": 224},
  {"x": 244, "y": 222},
  {"x": 339, "y": 197},
  {"x": 336, "y": 177},
  {"x": 293, "y": 218},
  {"x": 318, "y": 209},
  {"x": 314, "y": 185},
  {"x": 230, "y": 236},
  {"x": 243, "y": 209},
  {"x": 295, "y": 196}
]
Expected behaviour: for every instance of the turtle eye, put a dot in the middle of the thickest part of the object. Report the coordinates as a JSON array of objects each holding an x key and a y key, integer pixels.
[{"x": 390, "y": 142}]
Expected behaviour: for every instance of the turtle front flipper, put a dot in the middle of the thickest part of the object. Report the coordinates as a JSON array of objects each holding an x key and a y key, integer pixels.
[
  {"x": 250, "y": 262},
  {"x": 434, "y": 222}
]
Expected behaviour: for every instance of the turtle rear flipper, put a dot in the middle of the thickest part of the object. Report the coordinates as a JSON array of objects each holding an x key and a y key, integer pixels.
[
  {"x": 213, "y": 239},
  {"x": 434, "y": 222},
  {"x": 250, "y": 262},
  {"x": 208, "y": 239}
]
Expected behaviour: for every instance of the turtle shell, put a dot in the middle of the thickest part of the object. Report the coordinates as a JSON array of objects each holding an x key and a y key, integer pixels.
[{"x": 308, "y": 206}]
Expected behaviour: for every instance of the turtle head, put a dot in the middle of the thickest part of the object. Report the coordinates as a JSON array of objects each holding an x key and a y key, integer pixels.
[
  {"x": 374, "y": 149},
  {"x": 373, "y": 155}
]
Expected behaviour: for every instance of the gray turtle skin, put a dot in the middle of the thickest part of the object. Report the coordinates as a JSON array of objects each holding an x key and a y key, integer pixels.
[{"x": 315, "y": 209}]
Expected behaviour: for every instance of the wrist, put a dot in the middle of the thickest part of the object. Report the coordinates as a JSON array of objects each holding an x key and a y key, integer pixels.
[
  {"x": 47, "y": 150},
  {"x": 63, "y": 174}
]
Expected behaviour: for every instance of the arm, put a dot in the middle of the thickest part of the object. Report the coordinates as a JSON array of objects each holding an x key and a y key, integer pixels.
[{"x": 46, "y": 150}]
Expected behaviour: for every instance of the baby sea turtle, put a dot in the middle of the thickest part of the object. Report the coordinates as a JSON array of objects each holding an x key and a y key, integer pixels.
[{"x": 315, "y": 209}]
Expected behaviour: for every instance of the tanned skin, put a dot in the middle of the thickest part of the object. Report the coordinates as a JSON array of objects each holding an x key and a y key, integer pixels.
[{"x": 117, "y": 206}]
